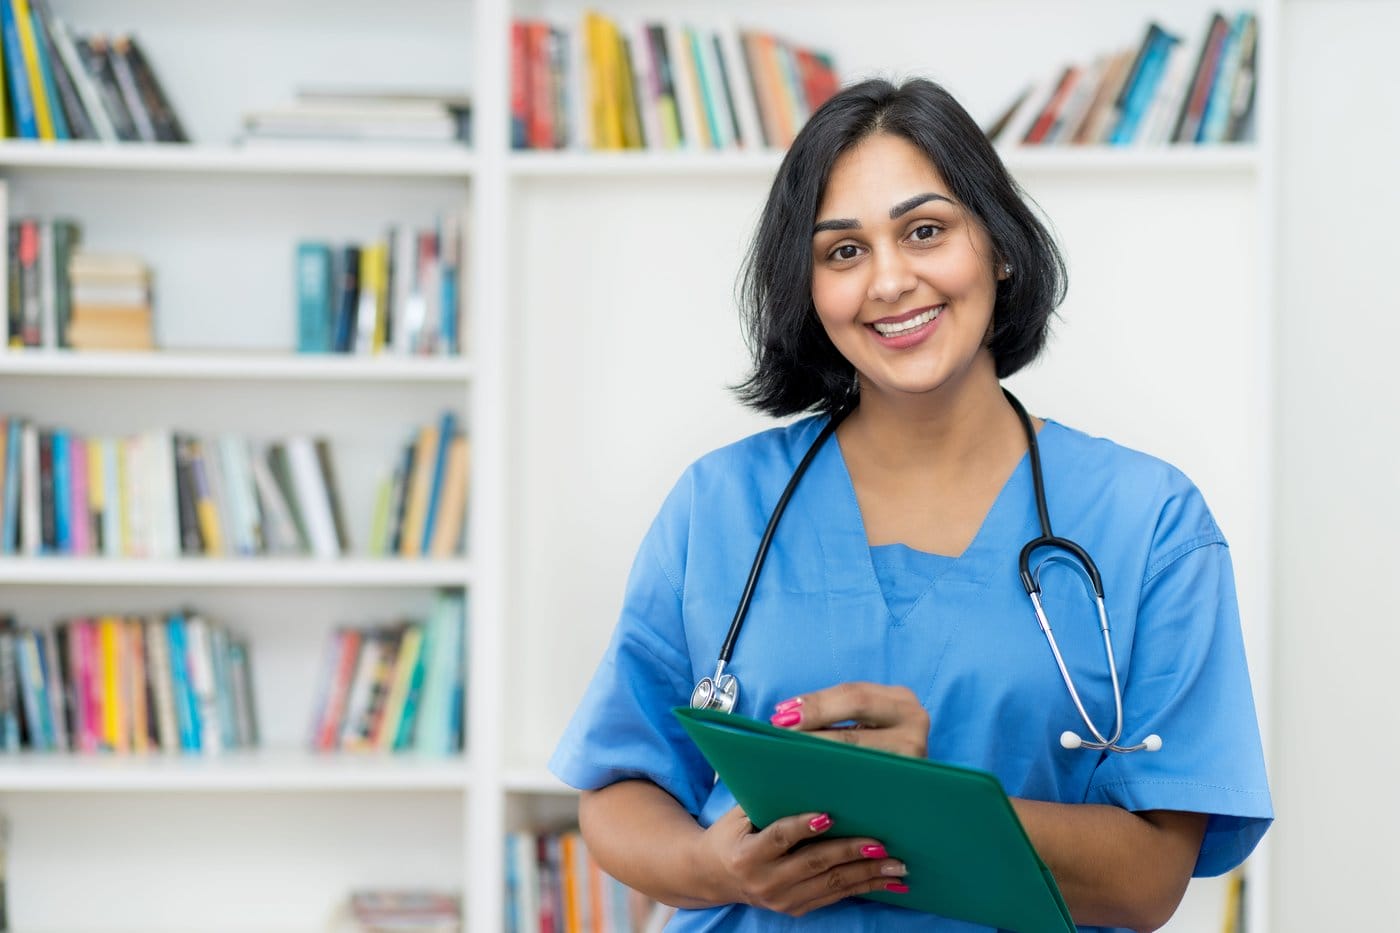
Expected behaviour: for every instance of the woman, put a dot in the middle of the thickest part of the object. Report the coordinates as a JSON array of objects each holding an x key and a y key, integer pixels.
[{"x": 897, "y": 275}]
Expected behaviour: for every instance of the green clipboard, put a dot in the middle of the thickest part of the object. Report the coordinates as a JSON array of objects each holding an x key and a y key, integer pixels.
[{"x": 967, "y": 853}]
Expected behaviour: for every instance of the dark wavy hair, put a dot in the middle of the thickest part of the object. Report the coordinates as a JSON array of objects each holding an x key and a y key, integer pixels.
[{"x": 796, "y": 366}]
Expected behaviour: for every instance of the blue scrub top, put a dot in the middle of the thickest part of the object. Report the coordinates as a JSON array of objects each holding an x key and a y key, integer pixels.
[{"x": 959, "y": 632}]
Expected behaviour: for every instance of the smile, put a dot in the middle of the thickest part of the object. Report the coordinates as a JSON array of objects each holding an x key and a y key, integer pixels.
[{"x": 897, "y": 328}]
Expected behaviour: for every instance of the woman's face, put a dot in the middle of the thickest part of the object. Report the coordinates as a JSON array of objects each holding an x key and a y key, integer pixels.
[{"x": 903, "y": 276}]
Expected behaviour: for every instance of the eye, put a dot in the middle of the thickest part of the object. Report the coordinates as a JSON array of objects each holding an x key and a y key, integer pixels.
[
  {"x": 924, "y": 232},
  {"x": 845, "y": 252}
]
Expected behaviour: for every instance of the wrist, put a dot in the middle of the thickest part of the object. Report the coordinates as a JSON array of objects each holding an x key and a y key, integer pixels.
[{"x": 713, "y": 886}]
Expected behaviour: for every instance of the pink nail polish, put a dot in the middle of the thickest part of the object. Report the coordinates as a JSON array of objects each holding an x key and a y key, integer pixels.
[
  {"x": 788, "y": 706},
  {"x": 819, "y": 822},
  {"x": 790, "y": 718},
  {"x": 897, "y": 888},
  {"x": 876, "y": 851}
]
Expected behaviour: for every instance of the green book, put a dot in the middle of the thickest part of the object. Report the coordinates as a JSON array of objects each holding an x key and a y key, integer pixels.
[{"x": 968, "y": 856}]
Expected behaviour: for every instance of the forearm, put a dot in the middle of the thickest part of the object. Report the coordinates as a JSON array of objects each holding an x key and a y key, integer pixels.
[
  {"x": 1115, "y": 868},
  {"x": 644, "y": 838}
]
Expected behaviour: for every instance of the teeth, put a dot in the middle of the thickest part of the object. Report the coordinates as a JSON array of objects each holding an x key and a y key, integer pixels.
[{"x": 903, "y": 327}]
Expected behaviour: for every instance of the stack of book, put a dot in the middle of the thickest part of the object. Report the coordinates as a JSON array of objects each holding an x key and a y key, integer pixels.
[
  {"x": 364, "y": 116},
  {"x": 63, "y": 86},
  {"x": 420, "y": 508},
  {"x": 399, "y": 295},
  {"x": 405, "y": 911},
  {"x": 118, "y": 683},
  {"x": 554, "y": 884},
  {"x": 164, "y": 494},
  {"x": 660, "y": 86},
  {"x": 109, "y": 306},
  {"x": 1166, "y": 89},
  {"x": 395, "y": 688}
]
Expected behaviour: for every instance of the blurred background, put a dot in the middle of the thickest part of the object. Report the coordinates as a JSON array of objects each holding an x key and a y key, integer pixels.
[{"x": 353, "y": 347}]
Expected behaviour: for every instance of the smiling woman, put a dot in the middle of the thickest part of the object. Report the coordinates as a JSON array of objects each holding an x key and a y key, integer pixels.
[{"x": 896, "y": 277}]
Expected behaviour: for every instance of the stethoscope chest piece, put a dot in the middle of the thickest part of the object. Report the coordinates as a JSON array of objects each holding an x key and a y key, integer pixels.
[{"x": 720, "y": 692}]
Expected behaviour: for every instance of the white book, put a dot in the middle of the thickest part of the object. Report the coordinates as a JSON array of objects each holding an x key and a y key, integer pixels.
[
  {"x": 279, "y": 528},
  {"x": 527, "y": 880},
  {"x": 162, "y": 512},
  {"x": 111, "y": 498},
  {"x": 1157, "y": 123},
  {"x": 405, "y": 247},
  {"x": 352, "y": 728},
  {"x": 645, "y": 82},
  {"x": 48, "y": 288},
  {"x": 221, "y": 491},
  {"x": 201, "y": 672},
  {"x": 31, "y": 531},
  {"x": 1030, "y": 108},
  {"x": 237, "y": 480},
  {"x": 577, "y": 89},
  {"x": 736, "y": 66},
  {"x": 82, "y": 80},
  {"x": 312, "y": 496},
  {"x": 684, "y": 80}
]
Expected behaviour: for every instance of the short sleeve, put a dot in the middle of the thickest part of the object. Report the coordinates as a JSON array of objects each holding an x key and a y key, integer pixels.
[
  {"x": 1188, "y": 682},
  {"x": 623, "y": 728}
]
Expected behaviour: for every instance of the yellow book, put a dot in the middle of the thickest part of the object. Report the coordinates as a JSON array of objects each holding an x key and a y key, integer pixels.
[
  {"x": 627, "y": 93},
  {"x": 24, "y": 21},
  {"x": 602, "y": 46},
  {"x": 420, "y": 489},
  {"x": 4, "y": 104},
  {"x": 110, "y": 644},
  {"x": 97, "y": 485},
  {"x": 206, "y": 510},
  {"x": 381, "y": 295},
  {"x": 388, "y": 727}
]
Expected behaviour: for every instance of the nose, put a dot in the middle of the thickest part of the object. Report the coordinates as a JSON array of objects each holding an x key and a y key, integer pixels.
[{"x": 892, "y": 277}]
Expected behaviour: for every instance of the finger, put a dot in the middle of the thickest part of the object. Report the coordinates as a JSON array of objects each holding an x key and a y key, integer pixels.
[
  {"x": 848, "y": 879},
  {"x": 734, "y": 823},
  {"x": 860, "y": 702},
  {"x": 780, "y": 836},
  {"x": 796, "y": 877}
]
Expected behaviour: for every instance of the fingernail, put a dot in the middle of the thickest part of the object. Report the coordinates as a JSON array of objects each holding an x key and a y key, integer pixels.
[
  {"x": 790, "y": 718},
  {"x": 788, "y": 706},
  {"x": 819, "y": 822},
  {"x": 897, "y": 888},
  {"x": 875, "y": 851},
  {"x": 897, "y": 869}
]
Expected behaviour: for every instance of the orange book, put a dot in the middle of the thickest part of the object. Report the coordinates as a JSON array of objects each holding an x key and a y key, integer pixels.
[
  {"x": 136, "y": 681},
  {"x": 568, "y": 843},
  {"x": 420, "y": 488},
  {"x": 452, "y": 506}
]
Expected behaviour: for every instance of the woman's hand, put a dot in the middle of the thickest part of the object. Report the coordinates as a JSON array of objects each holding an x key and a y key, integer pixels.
[
  {"x": 772, "y": 868},
  {"x": 873, "y": 715}
]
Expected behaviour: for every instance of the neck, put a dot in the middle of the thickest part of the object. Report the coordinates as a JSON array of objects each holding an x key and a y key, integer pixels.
[{"x": 960, "y": 426}]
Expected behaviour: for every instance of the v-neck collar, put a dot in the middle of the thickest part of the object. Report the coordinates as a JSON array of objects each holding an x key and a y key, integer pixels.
[{"x": 849, "y": 565}]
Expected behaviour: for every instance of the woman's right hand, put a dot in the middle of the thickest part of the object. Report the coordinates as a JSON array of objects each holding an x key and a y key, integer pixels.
[{"x": 772, "y": 869}]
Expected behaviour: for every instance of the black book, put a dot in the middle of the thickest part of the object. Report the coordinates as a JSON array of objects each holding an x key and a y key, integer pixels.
[
  {"x": 15, "y": 297},
  {"x": 93, "y": 52},
  {"x": 163, "y": 118},
  {"x": 724, "y": 84},
  {"x": 48, "y": 523},
  {"x": 349, "y": 300},
  {"x": 282, "y": 474},
  {"x": 398, "y": 504},
  {"x": 79, "y": 123},
  {"x": 1184, "y": 130},
  {"x": 69, "y": 702},
  {"x": 191, "y": 540},
  {"x": 656, "y": 38},
  {"x": 131, "y": 94}
]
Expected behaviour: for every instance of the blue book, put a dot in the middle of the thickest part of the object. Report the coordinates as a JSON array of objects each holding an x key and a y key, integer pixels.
[
  {"x": 31, "y": 685},
  {"x": 1217, "y": 112},
  {"x": 703, "y": 80},
  {"x": 446, "y": 429},
  {"x": 447, "y": 274},
  {"x": 10, "y": 542},
  {"x": 313, "y": 298},
  {"x": 408, "y": 722},
  {"x": 456, "y": 724},
  {"x": 1144, "y": 85},
  {"x": 60, "y": 124},
  {"x": 186, "y": 709},
  {"x": 21, "y": 101},
  {"x": 348, "y": 298},
  {"x": 62, "y": 494}
]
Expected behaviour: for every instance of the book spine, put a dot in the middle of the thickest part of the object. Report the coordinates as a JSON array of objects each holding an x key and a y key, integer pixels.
[
  {"x": 21, "y": 100},
  {"x": 14, "y": 457},
  {"x": 67, "y": 52},
  {"x": 162, "y": 688},
  {"x": 62, "y": 494},
  {"x": 137, "y": 677},
  {"x": 33, "y": 66},
  {"x": 64, "y": 90},
  {"x": 11, "y": 709},
  {"x": 186, "y": 709},
  {"x": 165, "y": 122},
  {"x": 31, "y": 495},
  {"x": 313, "y": 497},
  {"x": 131, "y": 94},
  {"x": 48, "y": 523},
  {"x": 242, "y": 677},
  {"x": 80, "y": 524},
  {"x": 47, "y": 75},
  {"x": 313, "y": 298}
]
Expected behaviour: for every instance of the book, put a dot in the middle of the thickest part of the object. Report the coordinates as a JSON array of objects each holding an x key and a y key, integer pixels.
[
  {"x": 312, "y": 496},
  {"x": 314, "y": 295},
  {"x": 164, "y": 121},
  {"x": 92, "y": 51}
]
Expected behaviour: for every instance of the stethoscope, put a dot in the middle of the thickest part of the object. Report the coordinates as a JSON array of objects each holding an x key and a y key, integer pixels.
[{"x": 720, "y": 691}]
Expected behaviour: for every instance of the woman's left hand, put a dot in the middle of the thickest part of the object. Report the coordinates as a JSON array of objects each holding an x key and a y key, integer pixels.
[{"x": 873, "y": 715}]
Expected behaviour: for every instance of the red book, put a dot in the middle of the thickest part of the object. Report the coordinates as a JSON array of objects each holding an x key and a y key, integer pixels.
[
  {"x": 1046, "y": 119},
  {"x": 1194, "y": 107},
  {"x": 541, "y": 110},
  {"x": 328, "y": 735},
  {"x": 519, "y": 87}
]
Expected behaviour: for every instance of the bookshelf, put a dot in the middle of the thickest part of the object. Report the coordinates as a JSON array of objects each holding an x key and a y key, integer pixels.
[{"x": 566, "y": 253}]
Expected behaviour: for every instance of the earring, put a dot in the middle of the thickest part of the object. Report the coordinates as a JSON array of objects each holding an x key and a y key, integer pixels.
[{"x": 1006, "y": 270}]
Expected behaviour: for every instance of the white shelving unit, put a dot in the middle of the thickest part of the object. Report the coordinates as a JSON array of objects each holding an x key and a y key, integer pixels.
[{"x": 601, "y": 336}]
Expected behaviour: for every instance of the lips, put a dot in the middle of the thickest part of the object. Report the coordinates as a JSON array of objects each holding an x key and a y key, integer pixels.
[{"x": 906, "y": 323}]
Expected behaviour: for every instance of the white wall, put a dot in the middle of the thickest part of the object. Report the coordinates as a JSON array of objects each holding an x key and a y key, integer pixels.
[{"x": 1336, "y": 768}]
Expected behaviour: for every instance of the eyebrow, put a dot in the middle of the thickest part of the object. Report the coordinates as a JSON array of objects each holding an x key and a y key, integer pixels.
[{"x": 899, "y": 210}]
